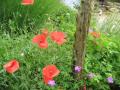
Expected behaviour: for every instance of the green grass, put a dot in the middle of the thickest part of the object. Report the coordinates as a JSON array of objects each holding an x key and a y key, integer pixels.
[
  {"x": 20, "y": 19},
  {"x": 29, "y": 77},
  {"x": 102, "y": 59}
]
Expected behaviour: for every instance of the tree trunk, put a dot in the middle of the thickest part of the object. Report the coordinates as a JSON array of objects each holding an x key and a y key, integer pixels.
[{"x": 83, "y": 23}]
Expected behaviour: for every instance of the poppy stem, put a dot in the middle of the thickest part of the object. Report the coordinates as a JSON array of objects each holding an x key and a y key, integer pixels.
[{"x": 14, "y": 76}]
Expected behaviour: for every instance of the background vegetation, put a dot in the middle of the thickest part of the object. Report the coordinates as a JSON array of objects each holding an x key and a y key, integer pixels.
[
  {"x": 20, "y": 23},
  {"x": 19, "y": 19}
]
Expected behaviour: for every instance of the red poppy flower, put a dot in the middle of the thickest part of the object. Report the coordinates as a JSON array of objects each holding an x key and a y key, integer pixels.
[
  {"x": 45, "y": 32},
  {"x": 58, "y": 37},
  {"x": 47, "y": 79},
  {"x": 49, "y": 72},
  {"x": 43, "y": 44},
  {"x": 27, "y": 2},
  {"x": 95, "y": 34},
  {"x": 11, "y": 66},
  {"x": 40, "y": 40}
]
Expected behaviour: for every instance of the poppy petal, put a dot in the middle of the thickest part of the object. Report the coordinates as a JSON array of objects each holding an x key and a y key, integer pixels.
[
  {"x": 43, "y": 44},
  {"x": 27, "y": 2},
  {"x": 47, "y": 79},
  {"x": 39, "y": 38},
  {"x": 11, "y": 66},
  {"x": 50, "y": 71},
  {"x": 60, "y": 42},
  {"x": 95, "y": 34},
  {"x": 58, "y": 37}
]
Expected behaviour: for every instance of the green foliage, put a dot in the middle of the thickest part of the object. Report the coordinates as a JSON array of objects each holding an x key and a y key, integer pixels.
[
  {"x": 64, "y": 20},
  {"x": 29, "y": 77},
  {"x": 103, "y": 54},
  {"x": 19, "y": 19},
  {"x": 102, "y": 58}
]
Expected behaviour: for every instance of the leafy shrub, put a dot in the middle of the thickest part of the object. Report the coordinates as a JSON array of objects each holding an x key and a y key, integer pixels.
[
  {"x": 102, "y": 59},
  {"x": 103, "y": 54}
]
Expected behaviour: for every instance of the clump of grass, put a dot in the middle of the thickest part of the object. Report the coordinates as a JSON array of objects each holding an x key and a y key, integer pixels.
[{"x": 19, "y": 19}]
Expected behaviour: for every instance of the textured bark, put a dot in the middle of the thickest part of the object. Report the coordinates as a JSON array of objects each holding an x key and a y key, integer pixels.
[{"x": 83, "y": 22}]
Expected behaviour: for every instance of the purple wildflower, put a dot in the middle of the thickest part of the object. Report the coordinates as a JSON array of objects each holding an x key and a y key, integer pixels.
[
  {"x": 78, "y": 68},
  {"x": 110, "y": 80},
  {"x": 51, "y": 83},
  {"x": 91, "y": 75}
]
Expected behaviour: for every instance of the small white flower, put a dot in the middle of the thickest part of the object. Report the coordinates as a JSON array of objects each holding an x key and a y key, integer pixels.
[{"x": 22, "y": 54}]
